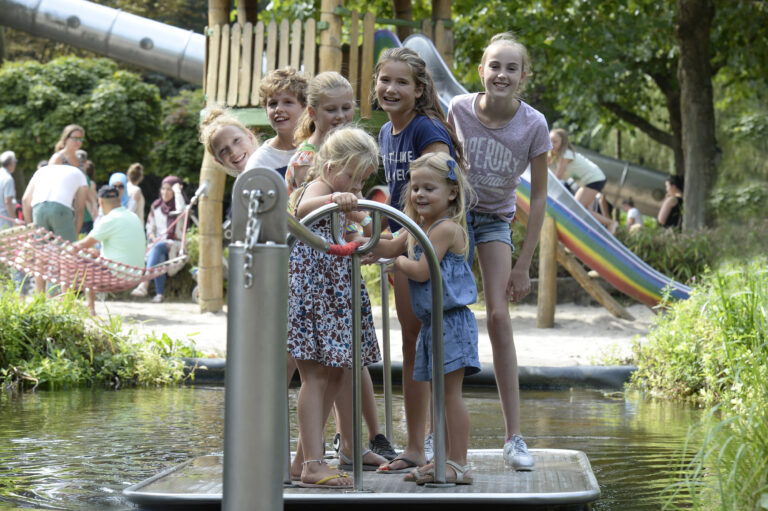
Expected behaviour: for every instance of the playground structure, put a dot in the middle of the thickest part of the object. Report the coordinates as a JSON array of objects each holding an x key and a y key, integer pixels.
[{"x": 231, "y": 59}]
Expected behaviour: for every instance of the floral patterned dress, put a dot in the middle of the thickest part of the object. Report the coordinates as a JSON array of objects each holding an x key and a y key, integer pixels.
[{"x": 320, "y": 306}]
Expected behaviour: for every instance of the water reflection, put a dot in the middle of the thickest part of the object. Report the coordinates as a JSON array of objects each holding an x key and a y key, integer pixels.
[{"x": 78, "y": 449}]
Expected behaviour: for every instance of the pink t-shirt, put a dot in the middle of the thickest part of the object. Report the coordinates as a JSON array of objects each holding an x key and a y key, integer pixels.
[{"x": 497, "y": 157}]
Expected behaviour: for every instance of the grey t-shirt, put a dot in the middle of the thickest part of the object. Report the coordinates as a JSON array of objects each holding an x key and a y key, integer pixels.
[{"x": 497, "y": 157}]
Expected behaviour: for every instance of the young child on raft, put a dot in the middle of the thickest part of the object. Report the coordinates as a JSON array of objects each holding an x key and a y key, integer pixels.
[
  {"x": 436, "y": 198},
  {"x": 320, "y": 302}
]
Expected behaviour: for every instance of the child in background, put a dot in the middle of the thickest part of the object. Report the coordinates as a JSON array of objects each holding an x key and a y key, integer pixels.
[
  {"x": 135, "y": 175},
  {"x": 405, "y": 91},
  {"x": 283, "y": 92},
  {"x": 227, "y": 139},
  {"x": 502, "y": 135},
  {"x": 330, "y": 104},
  {"x": 320, "y": 302},
  {"x": 436, "y": 198},
  {"x": 634, "y": 217}
]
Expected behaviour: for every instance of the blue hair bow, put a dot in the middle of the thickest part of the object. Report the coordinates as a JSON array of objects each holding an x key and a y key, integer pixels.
[{"x": 452, "y": 170}]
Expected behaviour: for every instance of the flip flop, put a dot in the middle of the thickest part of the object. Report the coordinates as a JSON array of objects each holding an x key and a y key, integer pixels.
[
  {"x": 346, "y": 463},
  {"x": 321, "y": 483},
  {"x": 410, "y": 465}
]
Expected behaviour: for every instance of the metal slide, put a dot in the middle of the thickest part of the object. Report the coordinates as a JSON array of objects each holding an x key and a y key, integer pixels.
[
  {"x": 576, "y": 227},
  {"x": 111, "y": 32}
]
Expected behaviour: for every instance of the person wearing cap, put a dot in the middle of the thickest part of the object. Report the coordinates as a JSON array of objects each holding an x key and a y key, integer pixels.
[
  {"x": 120, "y": 233},
  {"x": 7, "y": 189}
]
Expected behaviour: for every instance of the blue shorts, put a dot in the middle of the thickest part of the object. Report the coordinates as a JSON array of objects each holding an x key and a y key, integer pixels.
[{"x": 487, "y": 227}]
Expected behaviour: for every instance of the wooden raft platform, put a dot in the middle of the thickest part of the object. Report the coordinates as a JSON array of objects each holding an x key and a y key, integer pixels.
[{"x": 562, "y": 479}]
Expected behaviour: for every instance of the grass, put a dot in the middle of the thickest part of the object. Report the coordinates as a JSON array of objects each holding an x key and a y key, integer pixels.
[{"x": 53, "y": 343}]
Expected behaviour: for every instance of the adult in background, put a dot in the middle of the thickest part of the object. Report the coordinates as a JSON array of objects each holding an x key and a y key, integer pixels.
[
  {"x": 671, "y": 212},
  {"x": 565, "y": 161},
  {"x": 92, "y": 202},
  {"x": 165, "y": 237},
  {"x": 55, "y": 199},
  {"x": 135, "y": 175},
  {"x": 7, "y": 189},
  {"x": 71, "y": 140},
  {"x": 119, "y": 232}
]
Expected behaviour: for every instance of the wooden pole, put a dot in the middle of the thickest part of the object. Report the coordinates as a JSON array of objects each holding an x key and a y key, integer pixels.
[
  {"x": 210, "y": 277},
  {"x": 545, "y": 312},
  {"x": 329, "y": 52},
  {"x": 597, "y": 291}
]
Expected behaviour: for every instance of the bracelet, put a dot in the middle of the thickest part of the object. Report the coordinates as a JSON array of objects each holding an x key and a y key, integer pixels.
[
  {"x": 367, "y": 220},
  {"x": 352, "y": 229},
  {"x": 330, "y": 200},
  {"x": 396, "y": 234}
]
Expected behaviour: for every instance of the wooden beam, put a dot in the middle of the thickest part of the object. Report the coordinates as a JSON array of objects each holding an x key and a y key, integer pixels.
[
  {"x": 577, "y": 271},
  {"x": 330, "y": 55}
]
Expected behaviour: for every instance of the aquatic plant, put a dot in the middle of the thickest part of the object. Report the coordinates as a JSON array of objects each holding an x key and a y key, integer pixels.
[
  {"x": 53, "y": 343},
  {"x": 713, "y": 349}
]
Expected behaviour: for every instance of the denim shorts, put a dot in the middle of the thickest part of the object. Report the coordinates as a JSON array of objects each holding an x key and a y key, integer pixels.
[{"x": 488, "y": 227}]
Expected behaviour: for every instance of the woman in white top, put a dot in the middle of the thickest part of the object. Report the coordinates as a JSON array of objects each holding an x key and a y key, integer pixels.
[
  {"x": 563, "y": 159},
  {"x": 163, "y": 237}
]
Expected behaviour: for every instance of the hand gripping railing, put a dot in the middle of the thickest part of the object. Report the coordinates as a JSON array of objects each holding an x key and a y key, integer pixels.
[{"x": 256, "y": 427}]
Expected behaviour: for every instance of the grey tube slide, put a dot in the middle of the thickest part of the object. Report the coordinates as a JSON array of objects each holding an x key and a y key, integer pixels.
[{"x": 111, "y": 32}]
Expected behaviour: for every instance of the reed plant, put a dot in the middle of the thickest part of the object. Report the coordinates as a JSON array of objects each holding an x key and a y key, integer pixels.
[
  {"x": 53, "y": 343},
  {"x": 713, "y": 349}
]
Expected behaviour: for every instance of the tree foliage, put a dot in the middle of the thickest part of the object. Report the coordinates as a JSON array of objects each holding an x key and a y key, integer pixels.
[
  {"x": 120, "y": 113},
  {"x": 178, "y": 152}
]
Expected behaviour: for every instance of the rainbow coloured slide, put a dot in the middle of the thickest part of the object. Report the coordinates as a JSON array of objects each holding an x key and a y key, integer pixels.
[{"x": 577, "y": 229}]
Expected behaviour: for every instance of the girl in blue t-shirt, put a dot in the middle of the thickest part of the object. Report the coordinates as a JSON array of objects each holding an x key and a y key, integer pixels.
[{"x": 405, "y": 91}]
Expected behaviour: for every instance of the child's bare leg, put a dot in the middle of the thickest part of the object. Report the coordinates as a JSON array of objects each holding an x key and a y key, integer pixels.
[
  {"x": 91, "y": 299},
  {"x": 317, "y": 381},
  {"x": 496, "y": 264},
  {"x": 415, "y": 393},
  {"x": 456, "y": 420},
  {"x": 370, "y": 412},
  {"x": 345, "y": 424},
  {"x": 586, "y": 197}
]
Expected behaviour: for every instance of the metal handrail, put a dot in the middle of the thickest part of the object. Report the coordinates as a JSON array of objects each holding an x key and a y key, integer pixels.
[{"x": 438, "y": 388}]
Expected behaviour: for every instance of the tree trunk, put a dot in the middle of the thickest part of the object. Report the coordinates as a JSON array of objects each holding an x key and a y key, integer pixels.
[
  {"x": 248, "y": 10},
  {"x": 694, "y": 21},
  {"x": 403, "y": 11}
]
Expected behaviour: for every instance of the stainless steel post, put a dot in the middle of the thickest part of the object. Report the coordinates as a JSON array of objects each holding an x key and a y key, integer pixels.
[
  {"x": 357, "y": 374},
  {"x": 255, "y": 411},
  {"x": 387, "y": 355},
  {"x": 255, "y": 426}
]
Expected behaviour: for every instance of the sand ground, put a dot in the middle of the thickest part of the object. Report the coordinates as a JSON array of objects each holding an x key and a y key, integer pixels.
[{"x": 582, "y": 335}]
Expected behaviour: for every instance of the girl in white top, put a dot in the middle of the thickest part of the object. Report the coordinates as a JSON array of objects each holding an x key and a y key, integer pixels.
[{"x": 563, "y": 159}]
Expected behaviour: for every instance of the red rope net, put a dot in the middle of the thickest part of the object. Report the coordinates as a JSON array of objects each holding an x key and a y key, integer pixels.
[{"x": 38, "y": 252}]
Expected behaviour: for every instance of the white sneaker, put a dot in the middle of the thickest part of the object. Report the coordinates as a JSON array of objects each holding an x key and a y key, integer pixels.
[
  {"x": 157, "y": 299},
  {"x": 429, "y": 447},
  {"x": 140, "y": 291},
  {"x": 516, "y": 454}
]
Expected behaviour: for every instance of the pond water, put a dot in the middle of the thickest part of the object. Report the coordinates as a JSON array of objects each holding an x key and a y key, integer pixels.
[{"x": 78, "y": 449}]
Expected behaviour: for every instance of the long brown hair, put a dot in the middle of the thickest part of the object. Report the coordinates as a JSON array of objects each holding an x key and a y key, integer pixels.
[
  {"x": 66, "y": 133},
  {"x": 428, "y": 104}
]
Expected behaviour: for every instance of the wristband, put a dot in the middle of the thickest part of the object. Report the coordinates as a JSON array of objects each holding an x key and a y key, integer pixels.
[
  {"x": 330, "y": 200},
  {"x": 352, "y": 229},
  {"x": 395, "y": 234},
  {"x": 367, "y": 220}
]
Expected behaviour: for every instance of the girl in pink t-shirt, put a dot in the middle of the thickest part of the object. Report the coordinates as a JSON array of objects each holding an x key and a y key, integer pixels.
[{"x": 502, "y": 135}]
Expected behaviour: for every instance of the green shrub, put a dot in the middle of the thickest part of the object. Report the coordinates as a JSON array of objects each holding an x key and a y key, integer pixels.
[
  {"x": 712, "y": 347},
  {"x": 54, "y": 343},
  {"x": 677, "y": 255}
]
